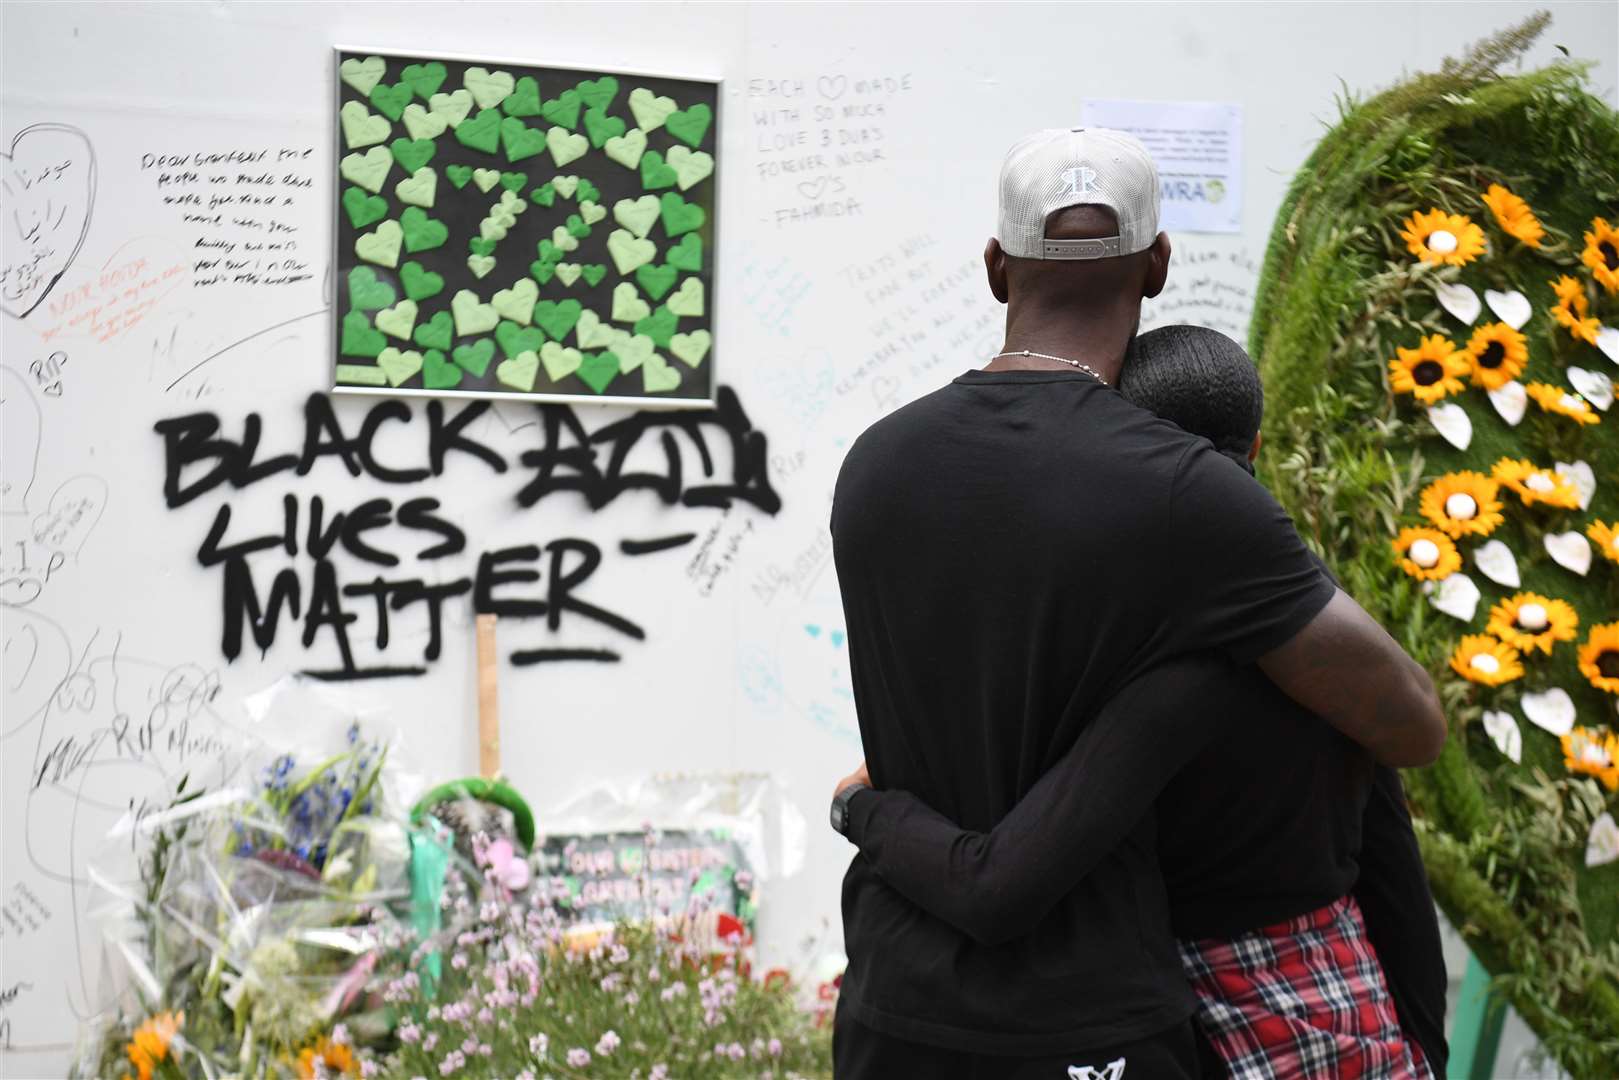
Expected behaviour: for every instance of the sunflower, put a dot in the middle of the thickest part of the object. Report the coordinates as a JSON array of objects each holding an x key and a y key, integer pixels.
[
  {"x": 1497, "y": 354},
  {"x": 1595, "y": 753},
  {"x": 1602, "y": 254},
  {"x": 1443, "y": 239},
  {"x": 326, "y": 1058},
  {"x": 1554, "y": 399},
  {"x": 1573, "y": 310},
  {"x": 151, "y": 1042},
  {"x": 1430, "y": 371},
  {"x": 1482, "y": 659},
  {"x": 1531, "y": 621},
  {"x": 1427, "y": 554},
  {"x": 1599, "y": 657},
  {"x": 1462, "y": 503},
  {"x": 1606, "y": 538},
  {"x": 1535, "y": 485},
  {"x": 1514, "y": 216}
]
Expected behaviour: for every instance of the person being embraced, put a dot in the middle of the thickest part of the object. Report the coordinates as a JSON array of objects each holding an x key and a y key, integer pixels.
[{"x": 1292, "y": 872}]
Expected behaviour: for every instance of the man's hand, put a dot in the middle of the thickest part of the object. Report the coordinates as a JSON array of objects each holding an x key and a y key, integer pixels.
[{"x": 859, "y": 776}]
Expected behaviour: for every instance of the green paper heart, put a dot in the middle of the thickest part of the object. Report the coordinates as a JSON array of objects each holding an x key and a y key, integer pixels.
[
  {"x": 593, "y": 273},
  {"x": 548, "y": 252},
  {"x": 637, "y": 215},
  {"x": 591, "y": 332},
  {"x": 679, "y": 216},
  {"x": 369, "y": 170},
  {"x": 657, "y": 376},
  {"x": 425, "y": 79},
  {"x": 478, "y": 245},
  {"x": 397, "y": 320},
  {"x": 565, "y": 147},
  {"x": 399, "y": 365},
  {"x": 360, "y": 338},
  {"x": 412, "y": 154},
  {"x": 633, "y": 350},
  {"x": 542, "y": 271},
  {"x": 627, "y": 149},
  {"x": 363, "y": 74},
  {"x": 360, "y": 375},
  {"x": 559, "y": 360},
  {"x": 513, "y": 181},
  {"x": 520, "y": 140},
  {"x": 649, "y": 110},
  {"x": 517, "y": 302},
  {"x": 654, "y": 173},
  {"x": 458, "y": 174},
  {"x": 655, "y": 281},
  {"x": 688, "y": 254},
  {"x": 524, "y": 100},
  {"x": 576, "y": 226},
  {"x": 481, "y": 265},
  {"x": 591, "y": 212},
  {"x": 472, "y": 316},
  {"x": 519, "y": 372},
  {"x": 514, "y": 339},
  {"x": 566, "y": 186},
  {"x": 366, "y": 292},
  {"x": 390, "y": 101},
  {"x": 454, "y": 107},
  {"x": 419, "y": 282},
  {"x": 598, "y": 370},
  {"x": 482, "y": 132},
  {"x": 691, "y": 167},
  {"x": 488, "y": 88},
  {"x": 419, "y": 189},
  {"x": 557, "y": 317},
  {"x": 690, "y": 125},
  {"x": 688, "y": 299},
  {"x": 628, "y": 307},
  {"x": 474, "y": 357},
  {"x": 381, "y": 245},
  {"x": 563, "y": 109},
  {"x": 422, "y": 124},
  {"x": 438, "y": 373},
  {"x": 660, "y": 326},
  {"x": 422, "y": 233},
  {"x": 601, "y": 127},
  {"x": 568, "y": 273},
  {"x": 361, "y": 127},
  {"x": 587, "y": 191},
  {"x": 545, "y": 195},
  {"x": 691, "y": 348},
  {"x": 436, "y": 332},
  {"x": 598, "y": 93},
  {"x": 363, "y": 209},
  {"x": 629, "y": 252}
]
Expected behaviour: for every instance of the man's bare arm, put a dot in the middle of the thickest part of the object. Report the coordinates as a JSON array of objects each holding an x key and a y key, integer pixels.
[{"x": 1347, "y": 670}]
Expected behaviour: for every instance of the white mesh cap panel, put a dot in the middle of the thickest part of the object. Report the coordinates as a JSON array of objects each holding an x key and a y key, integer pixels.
[{"x": 1058, "y": 168}]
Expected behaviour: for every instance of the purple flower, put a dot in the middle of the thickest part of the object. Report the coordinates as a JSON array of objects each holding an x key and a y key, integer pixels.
[
  {"x": 452, "y": 1061},
  {"x": 578, "y": 1057},
  {"x": 775, "y": 1047}
]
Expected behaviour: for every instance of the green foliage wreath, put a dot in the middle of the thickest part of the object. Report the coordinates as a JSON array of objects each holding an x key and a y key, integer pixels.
[{"x": 1344, "y": 289}]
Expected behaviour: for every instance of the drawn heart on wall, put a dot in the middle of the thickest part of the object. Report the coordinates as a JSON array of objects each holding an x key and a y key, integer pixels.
[
  {"x": 73, "y": 514},
  {"x": 49, "y": 189}
]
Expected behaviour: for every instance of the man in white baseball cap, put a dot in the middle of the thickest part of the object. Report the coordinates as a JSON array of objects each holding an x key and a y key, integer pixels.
[{"x": 1013, "y": 550}]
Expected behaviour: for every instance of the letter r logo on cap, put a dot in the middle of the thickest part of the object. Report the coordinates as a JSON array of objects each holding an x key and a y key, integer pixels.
[{"x": 1078, "y": 181}]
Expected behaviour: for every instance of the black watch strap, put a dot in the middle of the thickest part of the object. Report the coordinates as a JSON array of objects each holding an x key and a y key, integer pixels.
[{"x": 840, "y": 807}]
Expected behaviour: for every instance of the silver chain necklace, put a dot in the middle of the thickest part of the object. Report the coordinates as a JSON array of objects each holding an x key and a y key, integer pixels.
[{"x": 1086, "y": 368}]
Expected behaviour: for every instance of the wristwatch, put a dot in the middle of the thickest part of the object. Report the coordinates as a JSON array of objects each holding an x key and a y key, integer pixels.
[{"x": 840, "y": 807}]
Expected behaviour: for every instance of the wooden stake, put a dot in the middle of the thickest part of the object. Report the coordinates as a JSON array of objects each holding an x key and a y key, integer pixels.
[{"x": 488, "y": 699}]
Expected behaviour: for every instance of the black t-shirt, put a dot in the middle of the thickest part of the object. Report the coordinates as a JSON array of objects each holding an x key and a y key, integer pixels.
[{"x": 1012, "y": 550}]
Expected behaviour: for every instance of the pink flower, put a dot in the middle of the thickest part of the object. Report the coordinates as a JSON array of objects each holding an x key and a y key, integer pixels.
[
  {"x": 659, "y": 1071},
  {"x": 607, "y": 1043},
  {"x": 578, "y": 1057},
  {"x": 775, "y": 1048},
  {"x": 505, "y": 865},
  {"x": 538, "y": 1044}
]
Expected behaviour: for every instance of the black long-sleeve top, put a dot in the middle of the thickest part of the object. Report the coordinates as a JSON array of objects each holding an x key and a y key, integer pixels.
[{"x": 1263, "y": 813}]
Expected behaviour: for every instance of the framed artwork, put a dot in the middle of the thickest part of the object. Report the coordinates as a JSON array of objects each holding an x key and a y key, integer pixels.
[{"x": 515, "y": 231}]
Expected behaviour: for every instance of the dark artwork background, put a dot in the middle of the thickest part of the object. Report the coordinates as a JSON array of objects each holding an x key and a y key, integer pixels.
[{"x": 461, "y": 210}]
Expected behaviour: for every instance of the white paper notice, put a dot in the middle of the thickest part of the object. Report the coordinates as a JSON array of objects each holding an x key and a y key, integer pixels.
[{"x": 1197, "y": 146}]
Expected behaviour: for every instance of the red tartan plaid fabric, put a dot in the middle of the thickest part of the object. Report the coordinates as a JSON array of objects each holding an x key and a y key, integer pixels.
[{"x": 1304, "y": 998}]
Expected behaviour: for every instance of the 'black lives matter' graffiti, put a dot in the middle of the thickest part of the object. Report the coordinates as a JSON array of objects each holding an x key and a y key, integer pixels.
[{"x": 531, "y": 581}]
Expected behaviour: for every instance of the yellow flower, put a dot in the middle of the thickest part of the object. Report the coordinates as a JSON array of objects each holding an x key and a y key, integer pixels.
[
  {"x": 1462, "y": 503},
  {"x": 1427, "y": 554},
  {"x": 1595, "y": 753},
  {"x": 1482, "y": 659},
  {"x": 1443, "y": 239},
  {"x": 1497, "y": 354},
  {"x": 1430, "y": 371},
  {"x": 1514, "y": 216},
  {"x": 1573, "y": 310},
  {"x": 1602, "y": 254},
  {"x": 1599, "y": 657},
  {"x": 326, "y": 1058},
  {"x": 1531, "y": 621},
  {"x": 151, "y": 1042},
  {"x": 1535, "y": 485},
  {"x": 1554, "y": 399},
  {"x": 1606, "y": 538}
]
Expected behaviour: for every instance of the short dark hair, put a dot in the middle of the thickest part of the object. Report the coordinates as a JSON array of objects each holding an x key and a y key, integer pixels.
[{"x": 1201, "y": 381}]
